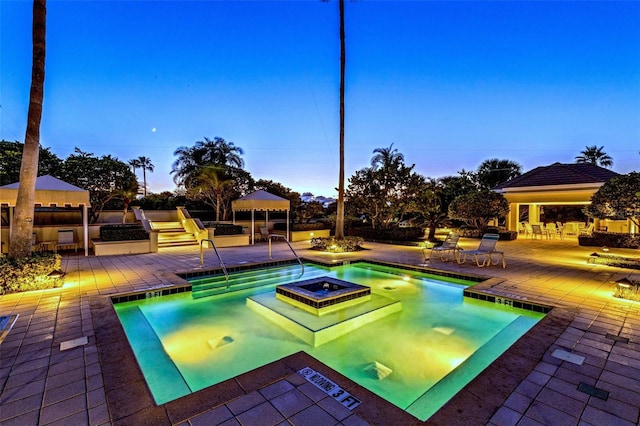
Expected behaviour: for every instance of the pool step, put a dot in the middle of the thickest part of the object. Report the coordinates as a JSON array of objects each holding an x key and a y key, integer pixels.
[{"x": 218, "y": 285}]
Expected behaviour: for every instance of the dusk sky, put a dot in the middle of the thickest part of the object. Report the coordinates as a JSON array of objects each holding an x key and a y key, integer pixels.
[{"x": 450, "y": 84}]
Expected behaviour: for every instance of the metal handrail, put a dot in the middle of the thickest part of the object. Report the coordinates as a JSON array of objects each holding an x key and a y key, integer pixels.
[
  {"x": 224, "y": 268},
  {"x": 292, "y": 250}
]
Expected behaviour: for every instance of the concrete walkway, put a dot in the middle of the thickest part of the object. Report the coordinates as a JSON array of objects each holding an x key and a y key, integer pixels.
[{"x": 80, "y": 383}]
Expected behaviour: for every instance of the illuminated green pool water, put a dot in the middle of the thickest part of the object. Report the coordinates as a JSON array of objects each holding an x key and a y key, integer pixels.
[{"x": 434, "y": 346}]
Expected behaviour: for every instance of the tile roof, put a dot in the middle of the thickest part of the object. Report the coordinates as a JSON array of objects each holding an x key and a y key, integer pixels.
[{"x": 560, "y": 174}]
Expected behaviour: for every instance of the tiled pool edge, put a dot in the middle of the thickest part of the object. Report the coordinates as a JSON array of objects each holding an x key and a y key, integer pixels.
[
  {"x": 486, "y": 393},
  {"x": 133, "y": 403}
]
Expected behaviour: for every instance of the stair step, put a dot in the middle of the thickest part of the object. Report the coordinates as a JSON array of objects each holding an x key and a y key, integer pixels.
[
  {"x": 167, "y": 226},
  {"x": 219, "y": 286},
  {"x": 175, "y": 236}
]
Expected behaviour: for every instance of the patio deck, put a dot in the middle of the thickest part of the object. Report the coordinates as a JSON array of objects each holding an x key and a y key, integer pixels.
[{"x": 98, "y": 382}]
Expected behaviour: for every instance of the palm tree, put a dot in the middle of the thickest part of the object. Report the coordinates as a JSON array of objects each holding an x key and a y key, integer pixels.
[
  {"x": 595, "y": 155},
  {"x": 23, "y": 228},
  {"x": 339, "y": 232},
  {"x": 385, "y": 158},
  {"x": 145, "y": 164},
  {"x": 493, "y": 172},
  {"x": 210, "y": 184},
  {"x": 135, "y": 164},
  {"x": 204, "y": 153}
]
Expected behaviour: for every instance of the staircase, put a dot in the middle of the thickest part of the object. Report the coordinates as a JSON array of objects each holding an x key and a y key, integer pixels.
[{"x": 172, "y": 234}]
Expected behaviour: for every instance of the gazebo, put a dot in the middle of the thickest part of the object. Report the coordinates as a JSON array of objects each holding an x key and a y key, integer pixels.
[
  {"x": 260, "y": 201},
  {"x": 50, "y": 192},
  {"x": 570, "y": 184}
]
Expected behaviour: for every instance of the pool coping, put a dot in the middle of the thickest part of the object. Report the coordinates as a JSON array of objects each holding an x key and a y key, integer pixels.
[{"x": 130, "y": 401}]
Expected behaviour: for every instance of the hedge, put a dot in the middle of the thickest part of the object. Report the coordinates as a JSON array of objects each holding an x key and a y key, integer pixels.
[
  {"x": 124, "y": 232},
  {"x": 610, "y": 239},
  {"x": 279, "y": 226},
  {"x": 29, "y": 273},
  {"x": 391, "y": 234},
  {"x": 227, "y": 229}
]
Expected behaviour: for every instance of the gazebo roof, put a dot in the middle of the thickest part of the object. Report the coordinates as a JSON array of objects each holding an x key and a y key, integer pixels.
[
  {"x": 561, "y": 174},
  {"x": 261, "y": 200},
  {"x": 50, "y": 192}
]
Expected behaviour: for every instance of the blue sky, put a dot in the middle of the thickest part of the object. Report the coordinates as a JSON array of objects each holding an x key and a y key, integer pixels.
[{"x": 450, "y": 84}]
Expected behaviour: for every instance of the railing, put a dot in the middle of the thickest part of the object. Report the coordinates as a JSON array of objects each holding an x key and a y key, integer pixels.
[
  {"x": 224, "y": 268},
  {"x": 277, "y": 236}
]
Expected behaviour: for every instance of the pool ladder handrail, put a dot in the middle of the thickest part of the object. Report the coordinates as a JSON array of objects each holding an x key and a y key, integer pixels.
[
  {"x": 277, "y": 236},
  {"x": 224, "y": 268}
]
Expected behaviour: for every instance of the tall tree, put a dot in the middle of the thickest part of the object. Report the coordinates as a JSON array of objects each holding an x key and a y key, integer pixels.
[
  {"x": 617, "y": 199},
  {"x": 23, "y": 222},
  {"x": 11, "y": 160},
  {"x": 339, "y": 232},
  {"x": 595, "y": 155},
  {"x": 135, "y": 164},
  {"x": 493, "y": 172},
  {"x": 226, "y": 162},
  {"x": 477, "y": 209},
  {"x": 386, "y": 157},
  {"x": 145, "y": 164},
  {"x": 209, "y": 186},
  {"x": 106, "y": 178},
  {"x": 204, "y": 153}
]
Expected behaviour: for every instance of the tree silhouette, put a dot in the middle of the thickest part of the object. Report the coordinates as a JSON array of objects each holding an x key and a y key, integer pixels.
[
  {"x": 23, "y": 222},
  {"x": 595, "y": 155},
  {"x": 145, "y": 164}
]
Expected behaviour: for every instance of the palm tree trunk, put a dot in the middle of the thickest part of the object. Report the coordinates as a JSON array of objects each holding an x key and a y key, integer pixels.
[
  {"x": 144, "y": 179},
  {"x": 339, "y": 233},
  {"x": 23, "y": 221}
]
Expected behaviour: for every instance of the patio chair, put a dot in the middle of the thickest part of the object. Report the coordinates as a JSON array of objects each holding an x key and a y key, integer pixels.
[
  {"x": 539, "y": 230},
  {"x": 447, "y": 251},
  {"x": 587, "y": 231},
  {"x": 6, "y": 324},
  {"x": 264, "y": 233},
  {"x": 553, "y": 230},
  {"x": 485, "y": 253},
  {"x": 66, "y": 239},
  {"x": 528, "y": 230}
]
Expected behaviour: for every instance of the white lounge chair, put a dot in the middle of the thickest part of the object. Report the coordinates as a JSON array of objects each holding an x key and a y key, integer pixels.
[
  {"x": 6, "y": 324},
  {"x": 66, "y": 239},
  {"x": 447, "y": 251},
  {"x": 486, "y": 252}
]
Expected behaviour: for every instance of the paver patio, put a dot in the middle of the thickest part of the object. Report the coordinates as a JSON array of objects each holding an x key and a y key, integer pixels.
[{"x": 98, "y": 382}]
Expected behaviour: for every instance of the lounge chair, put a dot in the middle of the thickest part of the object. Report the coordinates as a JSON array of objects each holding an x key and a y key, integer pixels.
[
  {"x": 6, "y": 324},
  {"x": 447, "y": 251},
  {"x": 66, "y": 239},
  {"x": 486, "y": 252}
]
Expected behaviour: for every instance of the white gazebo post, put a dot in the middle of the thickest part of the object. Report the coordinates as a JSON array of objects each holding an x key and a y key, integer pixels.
[{"x": 85, "y": 227}]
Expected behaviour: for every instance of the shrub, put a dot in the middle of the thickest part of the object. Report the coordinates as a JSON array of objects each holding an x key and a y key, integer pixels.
[
  {"x": 227, "y": 229},
  {"x": 627, "y": 289},
  {"x": 299, "y": 226},
  {"x": 336, "y": 245},
  {"x": 476, "y": 233},
  {"x": 390, "y": 235},
  {"x": 29, "y": 273},
  {"x": 124, "y": 232},
  {"x": 610, "y": 239}
]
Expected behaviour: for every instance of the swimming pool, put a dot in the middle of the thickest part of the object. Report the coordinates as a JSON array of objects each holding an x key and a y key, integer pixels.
[{"x": 430, "y": 342}]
